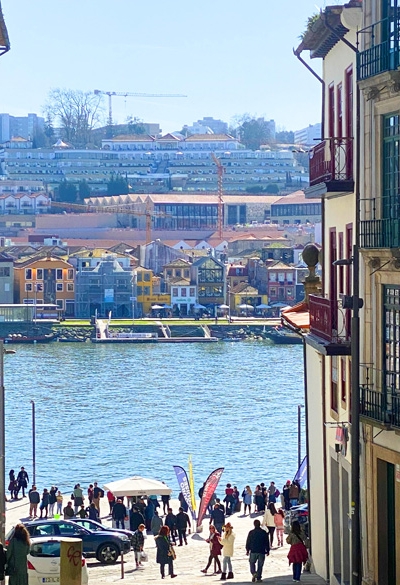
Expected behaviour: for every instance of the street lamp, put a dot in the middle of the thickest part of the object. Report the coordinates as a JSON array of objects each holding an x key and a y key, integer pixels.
[
  {"x": 2, "y": 444},
  {"x": 299, "y": 407},
  {"x": 33, "y": 442}
]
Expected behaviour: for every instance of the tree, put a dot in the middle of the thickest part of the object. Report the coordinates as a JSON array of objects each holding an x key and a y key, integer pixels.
[
  {"x": 272, "y": 188},
  {"x": 135, "y": 126},
  {"x": 83, "y": 190},
  {"x": 253, "y": 131},
  {"x": 117, "y": 185},
  {"x": 67, "y": 191},
  {"x": 77, "y": 112},
  {"x": 285, "y": 136}
]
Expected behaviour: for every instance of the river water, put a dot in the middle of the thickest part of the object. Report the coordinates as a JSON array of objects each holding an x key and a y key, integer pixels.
[{"x": 107, "y": 412}]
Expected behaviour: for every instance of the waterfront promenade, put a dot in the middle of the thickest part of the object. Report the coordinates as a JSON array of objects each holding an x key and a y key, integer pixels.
[{"x": 190, "y": 559}]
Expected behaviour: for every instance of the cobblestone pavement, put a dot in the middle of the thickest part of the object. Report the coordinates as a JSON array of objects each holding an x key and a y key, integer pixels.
[{"x": 190, "y": 559}]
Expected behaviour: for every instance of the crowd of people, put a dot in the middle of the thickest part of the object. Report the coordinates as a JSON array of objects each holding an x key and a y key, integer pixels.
[{"x": 170, "y": 529}]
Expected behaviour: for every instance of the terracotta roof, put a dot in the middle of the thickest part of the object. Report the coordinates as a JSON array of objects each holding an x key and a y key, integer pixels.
[
  {"x": 4, "y": 40},
  {"x": 168, "y": 137},
  {"x": 319, "y": 39},
  {"x": 279, "y": 266},
  {"x": 297, "y": 316},
  {"x": 244, "y": 287},
  {"x": 178, "y": 281},
  {"x": 210, "y": 138},
  {"x": 132, "y": 138},
  {"x": 179, "y": 262},
  {"x": 296, "y": 197}
]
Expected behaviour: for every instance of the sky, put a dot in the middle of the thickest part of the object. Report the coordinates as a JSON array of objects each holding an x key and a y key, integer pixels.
[{"x": 228, "y": 56}]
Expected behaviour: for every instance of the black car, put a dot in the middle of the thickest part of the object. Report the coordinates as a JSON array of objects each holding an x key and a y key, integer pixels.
[
  {"x": 96, "y": 527},
  {"x": 106, "y": 546}
]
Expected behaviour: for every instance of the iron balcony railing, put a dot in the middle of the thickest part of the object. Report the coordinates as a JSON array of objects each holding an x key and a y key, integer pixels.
[
  {"x": 382, "y": 52},
  {"x": 382, "y": 407},
  {"x": 331, "y": 160},
  {"x": 380, "y": 223},
  {"x": 326, "y": 322}
]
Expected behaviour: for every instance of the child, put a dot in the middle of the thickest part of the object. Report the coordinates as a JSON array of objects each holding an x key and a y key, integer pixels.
[{"x": 278, "y": 519}]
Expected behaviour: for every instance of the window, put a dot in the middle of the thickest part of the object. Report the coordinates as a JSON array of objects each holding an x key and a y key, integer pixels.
[
  {"x": 169, "y": 273},
  {"x": 39, "y": 273},
  {"x": 139, "y": 277},
  {"x": 70, "y": 274},
  {"x": 28, "y": 274},
  {"x": 272, "y": 292},
  {"x": 272, "y": 276},
  {"x": 28, "y": 287},
  {"x": 186, "y": 273},
  {"x": 60, "y": 304},
  {"x": 146, "y": 290},
  {"x": 289, "y": 277},
  {"x": 289, "y": 292},
  {"x": 4, "y": 272},
  {"x": 139, "y": 291},
  {"x": 343, "y": 379},
  {"x": 391, "y": 166},
  {"x": 331, "y": 110},
  {"x": 391, "y": 354},
  {"x": 178, "y": 273},
  {"x": 147, "y": 276},
  {"x": 192, "y": 292},
  {"x": 281, "y": 277},
  {"x": 174, "y": 292},
  {"x": 183, "y": 292},
  {"x": 59, "y": 287},
  {"x": 70, "y": 287},
  {"x": 59, "y": 274},
  {"x": 339, "y": 97}
]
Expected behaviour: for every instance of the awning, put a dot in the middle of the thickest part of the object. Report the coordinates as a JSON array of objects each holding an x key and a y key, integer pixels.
[
  {"x": 138, "y": 486},
  {"x": 297, "y": 316}
]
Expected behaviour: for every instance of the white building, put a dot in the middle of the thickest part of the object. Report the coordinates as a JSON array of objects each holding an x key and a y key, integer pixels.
[
  {"x": 308, "y": 136},
  {"x": 183, "y": 296}
]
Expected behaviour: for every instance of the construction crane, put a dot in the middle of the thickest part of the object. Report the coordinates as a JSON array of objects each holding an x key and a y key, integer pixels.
[
  {"x": 220, "y": 172},
  {"x": 123, "y": 208},
  {"x": 126, "y": 94}
]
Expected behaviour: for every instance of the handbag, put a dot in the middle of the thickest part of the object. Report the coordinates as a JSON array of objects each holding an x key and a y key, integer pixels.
[
  {"x": 144, "y": 557},
  {"x": 171, "y": 552}
]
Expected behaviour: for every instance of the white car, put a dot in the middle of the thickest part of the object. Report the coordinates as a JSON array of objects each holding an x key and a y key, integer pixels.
[{"x": 44, "y": 561}]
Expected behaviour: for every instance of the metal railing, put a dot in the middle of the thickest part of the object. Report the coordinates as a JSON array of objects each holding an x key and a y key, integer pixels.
[
  {"x": 377, "y": 231},
  {"x": 325, "y": 322},
  {"x": 383, "y": 407},
  {"x": 331, "y": 160},
  {"x": 383, "y": 51}
]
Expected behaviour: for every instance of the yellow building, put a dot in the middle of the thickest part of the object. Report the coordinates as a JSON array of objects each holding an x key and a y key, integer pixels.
[
  {"x": 48, "y": 280},
  {"x": 244, "y": 294},
  {"x": 146, "y": 297}
]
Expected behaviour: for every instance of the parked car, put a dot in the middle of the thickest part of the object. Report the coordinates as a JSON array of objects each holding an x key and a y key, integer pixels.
[
  {"x": 299, "y": 513},
  {"x": 96, "y": 526},
  {"x": 44, "y": 561},
  {"x": 106, "y": 546}
]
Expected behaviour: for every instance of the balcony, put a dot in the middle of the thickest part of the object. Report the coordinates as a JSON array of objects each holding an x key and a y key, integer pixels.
[
  {"x": 382, "y": 408},
  {"x": 378, "y": 232},
  {"x": 329, "y": 333},
  {"x": 331, "y": 167},
  {"x": 382, "y": 54}
]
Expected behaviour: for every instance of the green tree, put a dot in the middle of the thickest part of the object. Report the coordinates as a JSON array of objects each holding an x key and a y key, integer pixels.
[
  {"x": 67, "y": 191},
  {"x": 83, "y": 190},
  {"x": 117, "y": 185},
  {"x": 285, "y": 137},
  {"x": 253, "y": 132},
  {"x": 272, "y": 188},
  {"x": 135, "y": 126}
]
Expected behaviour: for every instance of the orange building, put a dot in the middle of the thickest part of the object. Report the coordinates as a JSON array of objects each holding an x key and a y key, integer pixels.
[{"x": 46, "y": 280}]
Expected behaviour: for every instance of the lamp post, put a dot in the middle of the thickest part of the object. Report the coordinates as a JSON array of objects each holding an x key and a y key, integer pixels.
[
  {"x": 299, "y": 407},
  {"x": 2, "y": 445},
  {"x": 33, "y": 442}
]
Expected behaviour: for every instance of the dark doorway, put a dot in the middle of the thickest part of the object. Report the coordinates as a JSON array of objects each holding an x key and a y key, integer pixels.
[{"x": 385, "y": 492}]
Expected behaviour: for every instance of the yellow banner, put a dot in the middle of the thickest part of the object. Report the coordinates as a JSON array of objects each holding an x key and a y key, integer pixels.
[{"x": 191, "y": 484}]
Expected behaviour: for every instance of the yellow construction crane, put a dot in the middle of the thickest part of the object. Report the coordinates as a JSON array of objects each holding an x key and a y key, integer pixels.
[
  {"x": 129, "y": 94},
  {"x": 220, "y": 172},
  {"x": 123, "y": 208}
]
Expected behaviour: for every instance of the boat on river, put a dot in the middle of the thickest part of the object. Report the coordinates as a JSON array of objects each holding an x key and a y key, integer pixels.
[
  {"x": 31, "y": 338},
  {"x": 282, "y": 335}
]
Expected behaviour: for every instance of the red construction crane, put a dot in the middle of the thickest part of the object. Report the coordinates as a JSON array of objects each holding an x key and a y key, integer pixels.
[
  {"x": 220, "y": 172},
  {"x": 128, "y": 94}
]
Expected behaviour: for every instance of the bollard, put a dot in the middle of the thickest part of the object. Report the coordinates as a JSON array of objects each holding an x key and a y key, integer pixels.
[
  {"x": 122, "y": 565},
  {"x": 71, "y": 561}
]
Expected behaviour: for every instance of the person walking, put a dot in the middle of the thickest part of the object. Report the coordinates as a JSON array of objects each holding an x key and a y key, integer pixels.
[
  {"x": 17, "y": 554},
  {"x": 258, "y": 499},
  {"x": 156, "y": 523},
  {"x": 286, "y": 494},
  {"x": 69, "y": 512},
  {"x": 78, "y": 497},
  {"x": 165, "y": 552},
  {"x": 229, "y": 499},
  {"x": 278, "y": 519},
  {"x": 44, "y": 504},
  {"x": 165, "y": 502},
  {"x": 272, "y": 493},
  {"x": 83, "y": 513},
  {"x": 215, "y": 550},
  {"x": 34, "y": 499},
  {"x": 170, "y": 521},
  {"x": 13, "y": 486},
  {"x": 138, "y": 544},
  {"x": 59, "y": 498},
  {"x": 111, "y": 501},
  {"x": 183, "y": 502},
  {"x": 97, "y": 494},
  {"x": 294, "y": 492},
  {"x": 135, "y": 519},
  {"x": 227, "y": 542},
  {"x": 93, "y": 512},
  {"x": 269, "y": 522},
  {"x": 182, "y": 524},
  {"x": 217, "y": 517},
  {"x": 298, "y": 553},
  {"x": 119, "y": 514},
  {"x": 247, "y": 496},
  {"x": 22, "y": 481},
  {"x": 52, "y": 500},
  {"x": 257, "y": 546},
  {"x": 90, "y": 493}
]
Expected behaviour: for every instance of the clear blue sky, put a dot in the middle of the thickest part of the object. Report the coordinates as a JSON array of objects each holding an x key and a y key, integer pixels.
[{"x": 230, "y": 57}]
